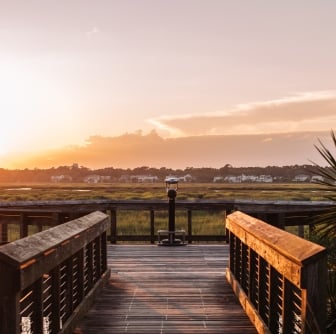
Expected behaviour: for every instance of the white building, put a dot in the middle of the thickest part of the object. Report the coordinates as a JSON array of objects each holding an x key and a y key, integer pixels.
[
  {"x": 144, "y": 178},
  {"x": 301, "y": 178},
  {"x": 61, "y": 178},
  {"x": 265, "y": 178}
]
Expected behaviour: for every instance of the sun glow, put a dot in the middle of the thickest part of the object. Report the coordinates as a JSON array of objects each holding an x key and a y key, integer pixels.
[{"x": 26, "y": 102}]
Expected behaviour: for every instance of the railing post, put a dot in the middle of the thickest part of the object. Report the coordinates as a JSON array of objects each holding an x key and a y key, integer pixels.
[
  {"x": 3, "y": 233},
  {"x": 315, "y": 294},
  {"x": 104, "y": 252},
  {"x": 97, "y": 260},
  {"x": 189, "y": 226},
  {"x": 9, "y": 300},
  {"x": 152, "y": 236},
  {"x": 23, "y": 225},
  {"x": 281, "y": 220},
  {"x": 113, "y": 215}
]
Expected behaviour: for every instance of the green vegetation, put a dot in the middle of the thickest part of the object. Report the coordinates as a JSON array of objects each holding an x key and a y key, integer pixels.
[{"x": 325, "y": 230}]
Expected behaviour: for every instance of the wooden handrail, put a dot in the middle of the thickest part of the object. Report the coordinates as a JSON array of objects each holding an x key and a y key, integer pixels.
[
  {"x": 41, "y": 214},
  {"x": 49, "y": 279},
  {"x": 279, "y": 278}
]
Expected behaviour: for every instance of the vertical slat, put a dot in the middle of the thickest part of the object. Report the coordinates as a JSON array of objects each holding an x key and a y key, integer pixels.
[
  {"x": 69, "y": 284},
  {"x": 253, "y": 290},
  {"x": 275, "y": 300},
  {"x": 37, "y": 316},
  {"x": 288, "y": 318},
  {"x": 55, "y": 302},
  {"x": 263, "y": 289}
]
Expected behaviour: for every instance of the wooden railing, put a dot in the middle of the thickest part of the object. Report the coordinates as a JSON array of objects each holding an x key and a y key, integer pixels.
[
  {"x": 29, "y": 217},
  {"x": 279, "y": 278},
  {"x": 48, "y": 280}
]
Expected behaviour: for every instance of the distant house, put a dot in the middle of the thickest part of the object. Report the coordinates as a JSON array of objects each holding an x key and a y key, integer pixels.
[
  {"x": 233, "y": 179},
  {"x": 316, "y": 178},
  {"x": 301, "y": 178},
  {"x": 244, "y": 178},
  {"x": 218, "y": 179},
  {"x": 265, "y": 178},
  {"x": 97, "y": 178},
  {"x": 249, "y": 178},
  {"x": 92, "y": 179},
  {"x": 105, "y": 178},
  {"x": 61, "y": 178},
  {"x": 186, "y": 178},
  {"x": 124, "y": 178},
  {"x": 144, "y": 178}
]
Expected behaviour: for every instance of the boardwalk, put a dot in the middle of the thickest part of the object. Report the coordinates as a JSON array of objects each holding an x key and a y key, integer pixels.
[{"x": 167, "y": 290}]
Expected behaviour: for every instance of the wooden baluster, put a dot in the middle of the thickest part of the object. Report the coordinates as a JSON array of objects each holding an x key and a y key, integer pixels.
[
  {"x": 37, "y": 316},
  {"x": 55, "y": 300}
]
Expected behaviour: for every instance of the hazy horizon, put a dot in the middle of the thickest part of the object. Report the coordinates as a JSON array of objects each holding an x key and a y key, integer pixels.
[{"x": 133, "y": 150}]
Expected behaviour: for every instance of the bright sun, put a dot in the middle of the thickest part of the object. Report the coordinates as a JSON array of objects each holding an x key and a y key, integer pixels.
[{"x": 23, "y": 101}]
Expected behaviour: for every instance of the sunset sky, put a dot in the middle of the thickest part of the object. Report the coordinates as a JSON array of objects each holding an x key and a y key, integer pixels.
[{"x": 73, "y": 69}]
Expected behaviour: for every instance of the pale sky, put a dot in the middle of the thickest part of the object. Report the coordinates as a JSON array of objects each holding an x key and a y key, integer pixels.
[{"x": 71, "y": 69}]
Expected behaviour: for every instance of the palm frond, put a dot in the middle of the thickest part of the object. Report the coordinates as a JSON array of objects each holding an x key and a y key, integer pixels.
[{"x": 325, "y": 227}]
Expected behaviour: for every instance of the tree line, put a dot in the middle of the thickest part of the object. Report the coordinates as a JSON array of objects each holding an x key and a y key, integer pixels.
[{"x": 77, "y": 173}]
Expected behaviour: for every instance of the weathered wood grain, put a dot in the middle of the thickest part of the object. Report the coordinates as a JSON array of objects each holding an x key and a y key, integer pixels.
[{"x": 167, "y": 290}]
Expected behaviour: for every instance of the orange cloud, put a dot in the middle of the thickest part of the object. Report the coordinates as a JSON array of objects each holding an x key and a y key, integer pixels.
[
  {"x": 134, "y": 150},
  {"x": 313, "y": 111}
]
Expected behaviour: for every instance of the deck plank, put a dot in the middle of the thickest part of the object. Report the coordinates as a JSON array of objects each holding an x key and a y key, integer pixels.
[{"x": 167, "y": 290}]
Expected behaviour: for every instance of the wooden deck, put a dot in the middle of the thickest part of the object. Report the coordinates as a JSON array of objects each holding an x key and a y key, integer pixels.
[{"x": 179, "y": 289}]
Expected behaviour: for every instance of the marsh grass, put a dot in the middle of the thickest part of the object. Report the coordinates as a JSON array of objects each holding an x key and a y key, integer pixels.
[
  {"x": 135, "y": 222},
  {"x": 143, "y": 191}
]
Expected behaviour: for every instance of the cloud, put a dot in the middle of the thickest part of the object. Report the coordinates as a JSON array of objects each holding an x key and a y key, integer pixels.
[
  {"x": 135, "y": 150},
  {"x": 92, "y": 32},
  {"x": 310, "y": 111}
]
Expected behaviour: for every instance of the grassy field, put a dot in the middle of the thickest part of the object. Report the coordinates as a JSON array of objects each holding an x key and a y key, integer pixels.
[
  {"x": 143, "y": 191},
  {"x": 137, "y": 222}
]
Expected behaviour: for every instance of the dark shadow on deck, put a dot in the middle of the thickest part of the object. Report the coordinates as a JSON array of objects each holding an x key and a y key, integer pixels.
[{"x": 167, "y": 290}]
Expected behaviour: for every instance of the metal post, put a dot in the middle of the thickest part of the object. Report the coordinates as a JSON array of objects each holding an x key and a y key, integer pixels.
[
  {"x": 171, "y": 188},
  {"x": 171, "y": 215}
]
